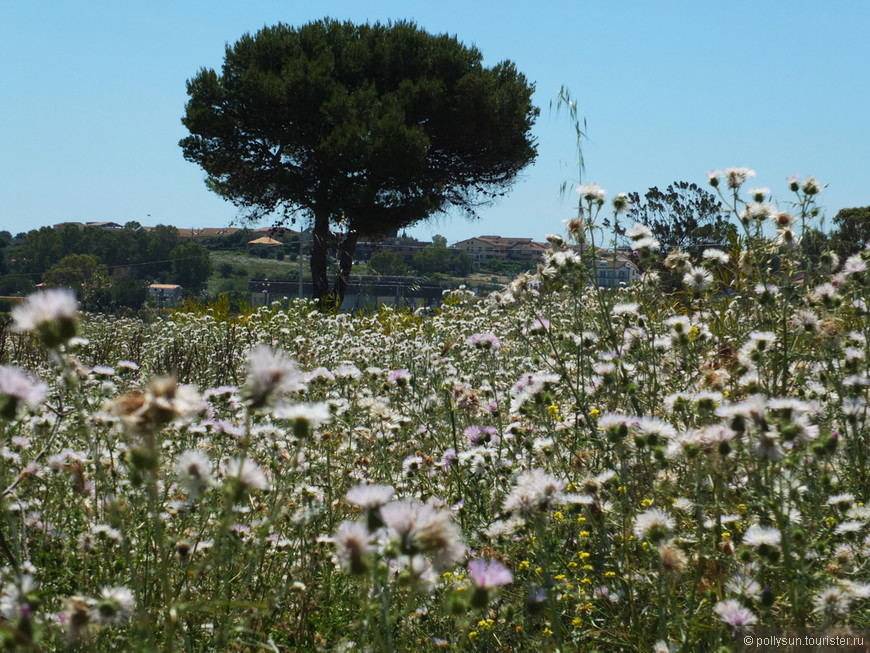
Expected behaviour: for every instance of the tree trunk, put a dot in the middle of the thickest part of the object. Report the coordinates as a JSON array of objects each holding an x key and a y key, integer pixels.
[
  {"x": 319, "y": 244},
  {"x": 345, "y": 262}
]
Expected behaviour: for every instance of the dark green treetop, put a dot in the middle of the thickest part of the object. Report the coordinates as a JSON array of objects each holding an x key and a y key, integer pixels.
[
  {"x": 683, "y": 217},
  {"x": 363, "y": 128}
]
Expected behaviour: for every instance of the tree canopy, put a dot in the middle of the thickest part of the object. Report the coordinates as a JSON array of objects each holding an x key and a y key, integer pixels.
[
  {"x": 684, "y": 217},
  {"x": 851, "y": 230},
  {"x": 363, "y": 128}
]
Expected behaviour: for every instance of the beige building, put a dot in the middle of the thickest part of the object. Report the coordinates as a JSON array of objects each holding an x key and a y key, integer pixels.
[{"x": 482, "y": 248}]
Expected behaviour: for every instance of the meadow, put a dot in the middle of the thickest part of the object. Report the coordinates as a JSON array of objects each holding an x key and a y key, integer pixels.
[{"x": 553, "y": 467}]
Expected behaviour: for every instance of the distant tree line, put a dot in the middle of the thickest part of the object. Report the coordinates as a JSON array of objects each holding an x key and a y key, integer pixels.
[
  {"x": 107, "y": 267},
  {"x": 688, "y": 218},
  {"x": 436, "y": 258}
]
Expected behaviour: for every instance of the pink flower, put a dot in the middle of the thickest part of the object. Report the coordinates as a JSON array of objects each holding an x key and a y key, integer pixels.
[{"x": 486, "y": 575}]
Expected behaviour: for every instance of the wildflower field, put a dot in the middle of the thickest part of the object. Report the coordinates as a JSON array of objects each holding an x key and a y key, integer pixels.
[{"x": 554, "y": 467}]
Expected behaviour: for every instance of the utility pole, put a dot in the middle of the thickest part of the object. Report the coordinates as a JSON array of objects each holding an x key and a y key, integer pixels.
[{"x": 301, "y": 263}]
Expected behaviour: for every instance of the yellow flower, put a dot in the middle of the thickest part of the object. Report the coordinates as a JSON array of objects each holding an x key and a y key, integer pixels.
[
  {"x": 581, "y": 519},
  {"x": 559, "y": 577},
  {"x": 583, "y": 555},
  {"x": 584, "y": 533},
  {"x": 554, "y": 411},
  {"x": 577, "y": 622},
  {"x": 594, "y": 412},
  {"x": 571, "y": 487},
  {"x": 610, "y": 574},
  {"x": 523, "y": 565},
  {"x": 547, "y": 632},
  {"x": 726, "y": 534},
  {"x": 586, "y": 581},
  {"x": 644, "y": 545},
  {"x": 646, "y": 503},
  {"x": 472, "y": 635},
  {"x": 538, "y": 570},
  {"x": 741, "y": 507},
  {"x": 572, "y": 565},
  {"x": 558, "y": 516},
  {"x": 831, "y": 521}
]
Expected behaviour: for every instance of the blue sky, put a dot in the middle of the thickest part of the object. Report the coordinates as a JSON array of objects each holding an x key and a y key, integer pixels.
[{"x": 93, "y": 93}]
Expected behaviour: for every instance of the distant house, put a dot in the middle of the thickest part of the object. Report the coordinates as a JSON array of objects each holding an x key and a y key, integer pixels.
[
  {"x": 482, "y": 248},
  {"x": 525, "y": 249},
  {"x": 265, "y": 241},
  {"x": 168, "y": 293},
  {"x": 206, "y": 233},
  {"x": 613, "y": 273}
]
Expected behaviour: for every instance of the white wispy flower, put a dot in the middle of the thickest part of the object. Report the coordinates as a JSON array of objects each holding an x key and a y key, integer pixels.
[
  {"x": 832, "y": 602},
  {"x": 422, "y": 528},
  {"x": 115, "y": 605},
  {"x": 18, "y": 387},
  {"x": 658, "y": 428},
  {"x": 370, "y": 496},
  {"x": 716, "y": 255},
  {"x": 639, "y": 231},
  {"x": 697, "y": 278},
  {"x": 45, "y": 308},
  {"x": 535, "y": 491},
  {"x": 844, "y": 498},
  {"x": 194, "y": 469},
  {"x": 647, "y": 243},
  {"x": 758, "y": 212},
  {"x": 653, "y": 525},
  {"x": 591, "y": 192},
  {"x": 625, "y": 308},
  {"x": 744, "y": 586},
  {"x": 304, "y": 416},
  {"x": 247, "y": 473},
  {"x": 271, "y": 374},
  {"x": 737, "y": 176},
  {"x": 757, "y": 536},
  {"x": 352, "y": 546},
  {"x": 15, "y": 596}
]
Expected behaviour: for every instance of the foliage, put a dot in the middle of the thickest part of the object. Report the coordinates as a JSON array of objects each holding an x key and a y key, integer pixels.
[
  {"x": 506, "y": 266},
  {"x": 851, "y": 230},
  {"x": 367, "y": 128},
  {"x": 191, "y": 266},
  {"x": 389, "y": 263},
  {"x": 81, "y": 272},
  {"x": 684, "y": 217}
]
